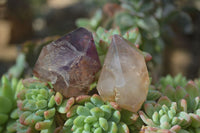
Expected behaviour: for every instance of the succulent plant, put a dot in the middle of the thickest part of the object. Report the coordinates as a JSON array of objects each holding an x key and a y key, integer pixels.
[
  {"x": 177, "y": 110},
  {"x": 171, "y": 87},
  {"x": 174, "y": 116},
  {"x": 8, "y": 104},
  {"x": 103, "y": 38},
  {"x": 90, "y": 114},
  {"x": 178, "y": 80},
  {"x": 188, "y": 92},
  {"x": 37, "y": 109}
]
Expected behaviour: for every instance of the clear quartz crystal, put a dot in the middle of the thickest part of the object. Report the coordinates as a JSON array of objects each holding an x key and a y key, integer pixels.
[
  {"x": 70, "y": 63},
  {"x": 124, "y": 77}
]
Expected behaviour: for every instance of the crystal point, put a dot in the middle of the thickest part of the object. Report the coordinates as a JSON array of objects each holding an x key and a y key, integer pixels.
[
  {"x": 70, "y": 63},
  {"x": 124, "y": 77}
]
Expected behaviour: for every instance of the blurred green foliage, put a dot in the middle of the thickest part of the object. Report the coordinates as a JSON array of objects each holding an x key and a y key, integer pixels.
[
  {"x": 155, "y": 20},
  {"x": 18, "y": 69}
]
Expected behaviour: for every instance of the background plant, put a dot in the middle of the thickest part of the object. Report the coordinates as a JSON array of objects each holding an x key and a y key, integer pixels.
[
  {"x": 177, "y": 108},
  {"x": 158, "y": 22},
  {"x": 8, "y": 97}
]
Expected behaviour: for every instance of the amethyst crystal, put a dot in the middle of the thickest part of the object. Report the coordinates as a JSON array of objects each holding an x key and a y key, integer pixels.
[{"x": 70, "y": 63}]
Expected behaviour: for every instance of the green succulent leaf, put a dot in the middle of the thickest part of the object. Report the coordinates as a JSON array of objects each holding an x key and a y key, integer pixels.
[
  {"x": 81, "y": 110},
  {"x": 5, "y": 104},
  {"x": 103, "y": 123},
  {"x": 3, "y": 118}
]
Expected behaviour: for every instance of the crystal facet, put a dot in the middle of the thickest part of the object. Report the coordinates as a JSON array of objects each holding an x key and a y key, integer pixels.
[
  {"x": 124, "y": 77},
  {"x": 70, "y": 63}
]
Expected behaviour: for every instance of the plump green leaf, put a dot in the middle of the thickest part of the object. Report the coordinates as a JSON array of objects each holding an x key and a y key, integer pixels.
[
  {"x": 97, "y": 112},
  {"x": 96, "y": 99},
  {"x": 58, "y": 98},
  {"x": 49, "y": 113},
  {"x": 62, "y": 108},
  {"x": 153, "y": 95},
  {"x": 87, "y": 127},
  {"x": 107, "y": 111},
  {"x": 112, "y": 127},
  {"x": 41, "y": 104},
  {"x": 3, "y": 118},
  {"x": 164, "y": 101},
  {"x": 98, "y": 130},
  {"x": 5, "y": 104},
  {"x": 81, "y": 110},
  {"x": 122, "y": 128},
  {"x": 43, "y": 125},
  {"x": 69, "y": 122},
  {"x": 103, "y": 123},
  {"x": 89, "y": 105},
  {"x": 90, "y": 119},
  {"x": 79, "y": 121},
  {"x": 116, "y": 116},
  {"x": 149, "y": 109}
]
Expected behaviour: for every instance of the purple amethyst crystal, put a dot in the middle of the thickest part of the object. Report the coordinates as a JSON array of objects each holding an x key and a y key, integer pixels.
[{"x": 70, "y": 63}]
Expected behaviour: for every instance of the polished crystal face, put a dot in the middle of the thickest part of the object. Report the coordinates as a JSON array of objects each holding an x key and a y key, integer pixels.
[
  {"x": 124, "y": 76},
  {"x": 69, "y": 63}
]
